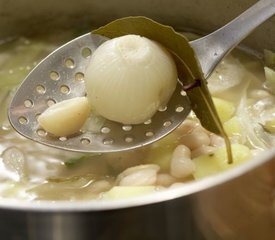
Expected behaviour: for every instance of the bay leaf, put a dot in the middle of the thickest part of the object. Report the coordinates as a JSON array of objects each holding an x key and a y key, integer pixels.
[{"x": 189, "y": 70}]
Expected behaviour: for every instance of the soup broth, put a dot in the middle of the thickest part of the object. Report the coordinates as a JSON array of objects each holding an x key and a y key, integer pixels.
[{"x": 32, "y": 171}]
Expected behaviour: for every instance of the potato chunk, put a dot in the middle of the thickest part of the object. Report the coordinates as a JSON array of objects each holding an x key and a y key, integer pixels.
[
  {"x": 216, "y": 162},
  {"x": 224, "y": 108},
  {"x": 65, "y": 118}
]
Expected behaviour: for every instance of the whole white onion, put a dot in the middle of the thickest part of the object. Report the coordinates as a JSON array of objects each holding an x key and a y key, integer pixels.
[{"x": 129, "y": 78}]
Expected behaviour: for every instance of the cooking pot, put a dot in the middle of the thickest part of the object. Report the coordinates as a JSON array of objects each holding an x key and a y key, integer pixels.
[{"x": 235, "y": 205}]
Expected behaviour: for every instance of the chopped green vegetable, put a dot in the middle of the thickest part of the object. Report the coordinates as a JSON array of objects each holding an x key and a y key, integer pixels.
[
  {"x": 73, "y": 162},
  {"x": 189, "y": 70}
]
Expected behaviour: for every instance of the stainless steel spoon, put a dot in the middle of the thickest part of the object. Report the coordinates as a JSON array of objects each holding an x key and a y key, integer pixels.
[{"x": 60, "y": 76}]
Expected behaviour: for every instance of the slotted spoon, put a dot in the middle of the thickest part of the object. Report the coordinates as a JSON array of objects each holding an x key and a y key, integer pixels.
[{"x": 60, "y": 76}]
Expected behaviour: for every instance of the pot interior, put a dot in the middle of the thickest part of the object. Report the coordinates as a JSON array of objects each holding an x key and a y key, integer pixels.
[{"x": 30, "y": 19}]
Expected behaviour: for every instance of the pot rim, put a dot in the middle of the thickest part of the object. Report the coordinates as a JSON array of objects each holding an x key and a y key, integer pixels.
[{"x": 190, "y": 188}]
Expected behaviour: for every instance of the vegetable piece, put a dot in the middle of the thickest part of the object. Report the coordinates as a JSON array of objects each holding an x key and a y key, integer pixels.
[
  {"x": 228, "y": 74},
  {"x": 233, "y": 127},
  {"x": 251, "y": 128},
  {"x": 73, "y": 162},
  {"x": 189, "y": 71},
  {"x": 71, "y": 188},
  {"x": 129, "y": 78},
  {"x": 94, "y": 123},
  {"x": 77, "y": 161},
  {"x": 270, "y": 78},
  {"x": 65, "y": 118},
  {"x": 14, "y": 161},
  {"x": 160, "y": 152},
  {"x": 120, "y": 192},
  {"x": 181, "y": 164},
  {"x": 216, "y": 162},
  {"x": 224, "y": 108},
  {"x": 269, "y": 58},
  {"x": 269, "y": 126},
  {"x": 141, "y": 175},
  {"x": 196, "y": 138}
]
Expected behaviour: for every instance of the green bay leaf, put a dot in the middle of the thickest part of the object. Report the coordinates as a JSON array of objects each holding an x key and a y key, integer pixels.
[{"x": 189, "y": 70}]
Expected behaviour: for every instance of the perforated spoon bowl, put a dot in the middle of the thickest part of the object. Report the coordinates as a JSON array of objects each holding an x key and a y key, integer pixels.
[{"x": 60, "y": 76}]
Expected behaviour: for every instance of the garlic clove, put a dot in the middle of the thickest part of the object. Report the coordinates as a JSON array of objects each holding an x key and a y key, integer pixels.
[{"x": 65, "y": 118}]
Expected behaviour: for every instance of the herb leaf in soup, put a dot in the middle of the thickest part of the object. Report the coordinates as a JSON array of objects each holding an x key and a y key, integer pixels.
[{"x": 188, "y": 67}]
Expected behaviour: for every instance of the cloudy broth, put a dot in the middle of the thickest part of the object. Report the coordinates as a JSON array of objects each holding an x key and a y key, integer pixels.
[{"x": 32, "y": 171}]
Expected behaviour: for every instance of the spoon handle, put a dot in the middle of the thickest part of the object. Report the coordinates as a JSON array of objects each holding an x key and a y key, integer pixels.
[{"x": 212, "y": 48}]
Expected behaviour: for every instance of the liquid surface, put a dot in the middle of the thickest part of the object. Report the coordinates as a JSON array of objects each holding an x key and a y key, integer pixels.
[{"x": 32, "y": 171}]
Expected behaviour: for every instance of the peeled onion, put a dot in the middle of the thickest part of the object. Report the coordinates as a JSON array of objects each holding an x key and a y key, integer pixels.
[{"x": 129, "y": 78}]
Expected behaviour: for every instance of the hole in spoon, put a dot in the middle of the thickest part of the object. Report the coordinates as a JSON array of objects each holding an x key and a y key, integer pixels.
[
  {"x": 40, "y": 89},
  {"x": 86, "y": 52},
  {"x": 64, "y": 89},
  {"x": 51, "y": 102},
  {"x": 167, "y": 123},
  {"x": 85, "y": 141},
  {"x": 162, "y": 109},
  {"x": 149, "y": 134},
  {"x": 183, "y": 93},
  {"x": 149, "y": 121},
  {"x": 179, "y": 109},
  {"x": 69, "y": 63},
  {"x": 108, "y": 141},
  {"x": 105, "y": 130},
  {"x": 28, "y": 103},
  {"x": 54, "y": 75},
  {"x": 37, "y": 115},
  {"x": 62, "y": 139},
  {"x": 129, "y": 139},
  {"x": 79, "y": 76},
  {"x": 23, "y": 120},
  {"x": 127, "y": 128},
  {"x": 41, "y": 132}
]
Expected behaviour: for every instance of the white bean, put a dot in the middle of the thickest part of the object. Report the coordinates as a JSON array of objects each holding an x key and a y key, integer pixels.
[
  {"x": 216, "y": 141},
  {"x": 187, "y": 126},
  {"x": 181, "y": 163},
  {"x": 195, "y": 139},
  {"x": 181, "y": 151},
  {"x": 142, "y": 175},
  {"x": 165, "y": 179},
  {"x": 202, "y": 150},
  {"x": 122, "y": 160},
  {"x": 101, "y": 186}
]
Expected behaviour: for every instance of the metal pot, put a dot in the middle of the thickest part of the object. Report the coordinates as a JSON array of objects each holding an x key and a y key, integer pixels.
[{"x": 237, "y": 204}]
